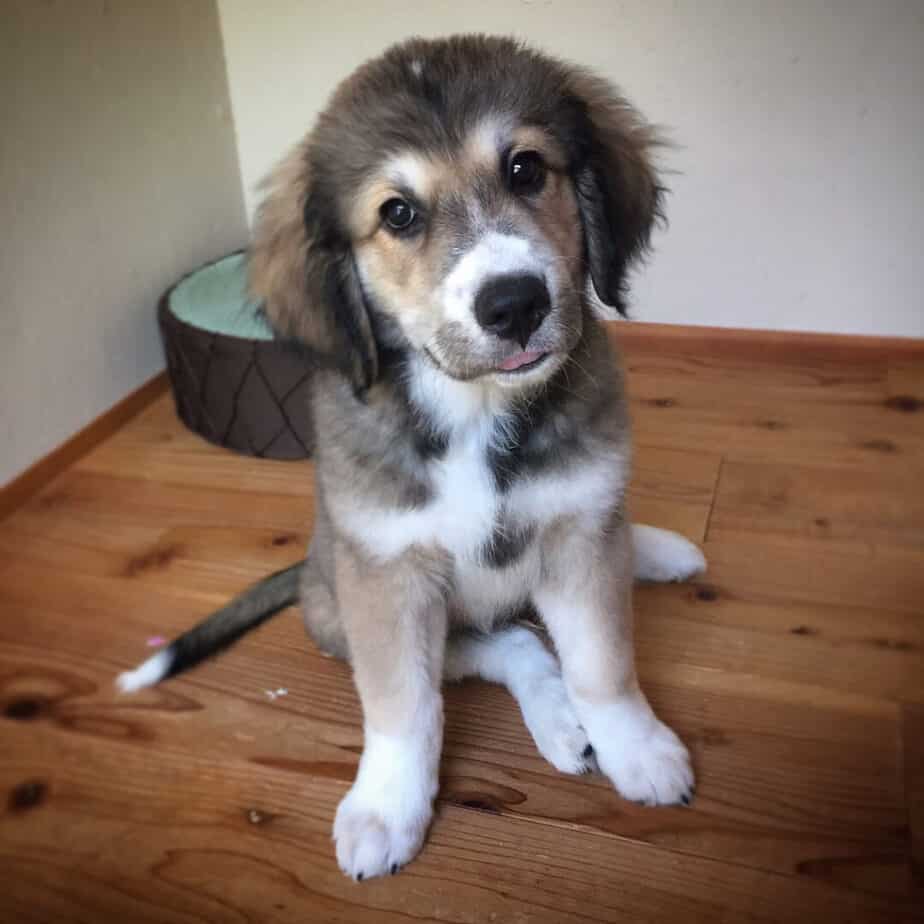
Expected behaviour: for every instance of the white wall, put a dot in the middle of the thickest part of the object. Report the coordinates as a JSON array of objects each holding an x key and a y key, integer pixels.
[
  {"x": 118, "y": 173},
  {"x": 799, "y": 201}
]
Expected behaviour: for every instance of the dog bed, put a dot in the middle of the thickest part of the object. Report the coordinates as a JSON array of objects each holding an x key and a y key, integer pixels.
[{"x": 232, "y": 382}]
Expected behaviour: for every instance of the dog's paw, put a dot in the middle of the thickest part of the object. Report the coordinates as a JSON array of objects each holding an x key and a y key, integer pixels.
[
  {"x": 653, "y": 769},
  {"x": 662, "y": 555},
  {"x": 382, "y": 821},
  {"x": 377, "y": 840},
  {"x": 554, "y": 725}
]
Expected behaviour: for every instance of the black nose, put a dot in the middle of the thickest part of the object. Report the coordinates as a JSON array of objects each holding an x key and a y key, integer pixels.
[{"x": 512, "y": 306}]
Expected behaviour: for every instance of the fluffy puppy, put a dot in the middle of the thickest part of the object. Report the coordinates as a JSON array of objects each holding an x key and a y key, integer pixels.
[{"x": 445, "y": 243}]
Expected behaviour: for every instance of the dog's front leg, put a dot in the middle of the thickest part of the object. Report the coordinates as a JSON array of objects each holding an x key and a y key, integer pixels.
[
  {"x": 395, "y": 621},
  {"x": 585, "y": 600}
]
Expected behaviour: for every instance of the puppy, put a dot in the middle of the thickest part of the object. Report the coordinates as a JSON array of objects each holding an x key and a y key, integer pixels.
[{"x": 445, "y": 243}]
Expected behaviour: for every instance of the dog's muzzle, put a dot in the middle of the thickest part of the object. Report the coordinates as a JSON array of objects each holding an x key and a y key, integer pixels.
[{"x": 513, "y": 307}]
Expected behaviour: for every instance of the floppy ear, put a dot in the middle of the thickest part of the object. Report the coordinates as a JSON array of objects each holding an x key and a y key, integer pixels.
[
  {"x": 618, "y": 192},
  {"x": 302, "y": 269}
]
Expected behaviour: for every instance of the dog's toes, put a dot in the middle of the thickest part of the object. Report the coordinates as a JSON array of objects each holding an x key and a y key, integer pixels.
[
  {"x": 555, "y": 728},
  {"x": 377, "y": 841},
  {"x": 654, "y": 770}
]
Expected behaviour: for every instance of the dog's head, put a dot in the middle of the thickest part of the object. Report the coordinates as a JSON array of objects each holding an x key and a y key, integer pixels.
[{"x": 464, "y": 198}]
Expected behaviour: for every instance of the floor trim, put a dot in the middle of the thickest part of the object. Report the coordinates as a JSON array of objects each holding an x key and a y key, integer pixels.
[
  {"x": 756, "y": 344},
  {"x": 34, "y": 478}
]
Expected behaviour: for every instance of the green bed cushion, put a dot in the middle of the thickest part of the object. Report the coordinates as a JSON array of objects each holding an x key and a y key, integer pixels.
[{"x": 215, "y": 299}]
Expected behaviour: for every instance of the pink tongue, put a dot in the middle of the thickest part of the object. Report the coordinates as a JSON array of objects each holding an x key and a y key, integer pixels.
[{"x": 519, "y": 359}]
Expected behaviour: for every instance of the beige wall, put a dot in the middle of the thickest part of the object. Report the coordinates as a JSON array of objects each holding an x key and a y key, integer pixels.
[
  {"x": 118, "y": 172},
  {"x": 799, "y": 197}
]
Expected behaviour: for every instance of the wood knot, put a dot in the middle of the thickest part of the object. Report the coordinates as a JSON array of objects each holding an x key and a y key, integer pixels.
[
  {"x": 281, "y": 540},
  {"x": 714, "y": 737},
  {"x": 879, "y": 446},
  {"x": 664, "y": 402},
  {"x": 822, "y": 522},
  {"x": 893, "y": 644},
  {"x": 482, "y": 805},
  {"x": 803, "y": 630},
  {"x": 906, "y": 404},
  {"x": 27, "y": 795},
  {"x": 771, "y": 424},
  {"x": 706, "y": 593},
  {"x": 25, "y": 709},
  {"x": 155, "y": 560}
]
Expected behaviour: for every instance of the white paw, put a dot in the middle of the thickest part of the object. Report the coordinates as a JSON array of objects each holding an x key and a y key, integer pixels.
[
  {"x": 654, "y": 770},
  {"x": 554, "y": 725},
  {"x": 643, "y": 758},
  {"x": 375, "y": 840},
  {"x": 662, "y": 555},
  {"x": 382, "y": 821}
]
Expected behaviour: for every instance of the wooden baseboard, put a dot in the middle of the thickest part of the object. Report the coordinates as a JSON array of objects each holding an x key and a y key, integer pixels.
[
  {"x": 643, "y": 336},
  {"x": 34, "y": 478}
]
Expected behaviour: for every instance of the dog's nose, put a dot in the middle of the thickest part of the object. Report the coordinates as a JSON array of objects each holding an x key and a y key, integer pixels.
[{"x": 512, "y": 306}]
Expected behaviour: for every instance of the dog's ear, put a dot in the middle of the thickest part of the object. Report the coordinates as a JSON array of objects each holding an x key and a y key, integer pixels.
[
  {"x": 618, "y": 191},
  {"x": 302, "y": 270}
]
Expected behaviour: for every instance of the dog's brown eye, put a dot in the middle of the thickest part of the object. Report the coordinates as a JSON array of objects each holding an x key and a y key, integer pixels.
[
  {"x": 398, "y": 214},
  {"x": 525, "y": 172}
]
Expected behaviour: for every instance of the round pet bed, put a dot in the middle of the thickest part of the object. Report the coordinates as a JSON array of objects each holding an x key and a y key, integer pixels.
[{"x": 232, "y": 382}]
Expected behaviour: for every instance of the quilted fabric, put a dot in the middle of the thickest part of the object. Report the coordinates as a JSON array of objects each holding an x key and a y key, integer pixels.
[{"x": 249, "y": 395}]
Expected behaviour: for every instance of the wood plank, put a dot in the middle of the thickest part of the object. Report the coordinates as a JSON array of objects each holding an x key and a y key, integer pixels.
[
  {"x": 905, "y": 383},
  {"x": 913, "y": 754},
  {"x": 843, "y": 620},
  {"x": 673, "y": 490},
  {"x": 165, "y": 834},
  {"x": 788, "y": 780},
  {"x": 792, "y": 668},
  {"x": 31, "y": 481},
  {"x": 100, "y": 503},
  {"x": 862, "y": 507},
  {"x": 157, "y": 448},
  {"x": 781, "y": 347},
  {"x": 806, "y": 379},
  {"x": 744, "y": 425}
]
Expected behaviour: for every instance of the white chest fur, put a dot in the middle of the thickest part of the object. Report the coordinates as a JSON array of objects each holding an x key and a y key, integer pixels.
[
  {"x": 459, "y": 516},
  {"x": 465, "y": 504}
]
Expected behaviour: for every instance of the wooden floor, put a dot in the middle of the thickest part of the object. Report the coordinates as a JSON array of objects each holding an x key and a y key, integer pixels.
[{"x": 794, "y": 669}]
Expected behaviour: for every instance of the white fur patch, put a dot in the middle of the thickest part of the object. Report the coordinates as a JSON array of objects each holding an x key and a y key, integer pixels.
[
  {"x": 146, "y": 674},
  {"x": 643, "y": 758},
  {"x": 489, "y": 138},
  {"x": 590, "y": 488},
  {"x": 410, "y": 170},
  {"x": 382, "y": 821},
  {"x": 494, "y": 255},
  {"x": 459, "y": 517},
  {"x": 663, "y": 555},
  {"x": 517, "y": 659}
]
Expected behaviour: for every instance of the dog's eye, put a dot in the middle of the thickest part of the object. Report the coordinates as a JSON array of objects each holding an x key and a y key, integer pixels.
[
  {"x": 398, "y": 214},
  {"x": 525, "y": 172}
]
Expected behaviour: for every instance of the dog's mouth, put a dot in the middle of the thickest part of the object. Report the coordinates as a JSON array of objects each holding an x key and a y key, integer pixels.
[{"x": 522, "y": 362}]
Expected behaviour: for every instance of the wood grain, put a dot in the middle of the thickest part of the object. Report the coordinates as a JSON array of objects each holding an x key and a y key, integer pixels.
[
  {"x": 21, "y": 488},
  {"x": 913, "y": 741},
  {"x": 793, "y": 668}
]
